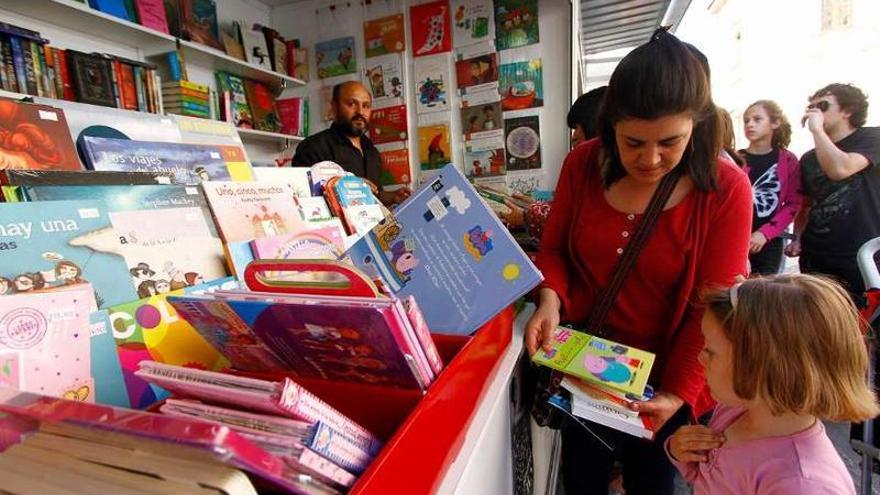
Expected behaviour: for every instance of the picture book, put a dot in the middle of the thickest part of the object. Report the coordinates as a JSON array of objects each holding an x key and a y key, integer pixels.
[
  {"x": 256, "y": 49},
  {"x": 298, "y": 56},
  {"x": 395, "y": 167},
  {"x": 420, "y": 327},
  {"x": 522, "y": 139},
  {"x": 638, "y": 426},
  {"x": 477, "y": 73},
  {"x": 190, "y": 163},
  {"x": 44, "y": 342},
  {"x": 384, "y": 77},
  {"x": 296, "y": 177},
  {"x": 434, "y": 147},
  {"x": 516, "y": 23},
  {"x": 352, "y": 200},
  {"x": 444, "y": 246},
  {"x": 151, "y": 14},
  {"x": 106, "y": 368},
  {"x": 262, "y": 105},
  {"x": 335, "y": 57},
  {"x": 432, "y": 79},
  {"x": 292, "y": 114},
  {"x": 597, "y": 360},
  {"x": 472, "y": 21},
  {"x": 35, "y": 137},
  {"x": 384, "y": 35},
  {"x": 198, "y": 22},
  {"x": 241, "y": 111},
  {"x": 322, "y": 172},
  {"x": 482, "y": 121},
  {"x": 430, "y": 28},
  {"x": 322, "y": 243},
  {"x": 92, "y": 78},
  {"x": 588, "y": 391},
  {"x": 521, "y": 85},
  {"x": 60, "y": 243},
  {"x": 236, "y": 160},
  {"x": 338, "y": 448},
  {"x": 83, "y": 178},
  {"x": 314, "y": 209},
  {"x": 388, "y": 125},
  {"x": 251, "y": 210},
  {"x": 484, "y": 158}
]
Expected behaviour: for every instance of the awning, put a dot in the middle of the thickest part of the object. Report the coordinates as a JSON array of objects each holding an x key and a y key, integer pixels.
[{"x": 613, "y": 24}]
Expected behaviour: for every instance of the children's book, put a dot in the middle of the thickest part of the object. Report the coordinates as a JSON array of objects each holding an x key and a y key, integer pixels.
[
  {"x": 384, "y": 35},
  {"x": 56, "y": 244},
  {"x": 384, "y": 77},
  {"x": 36, "y": 137},
  {"x": 431, "y": 30},
  {"x": 106, "y": 368},
  {"x": 83, "y": 178},
  {"x": 388, "y": 125},
  {"x": 447, "y": 249},
  {"x": 44, "y": 342},
  {"x": 472, "y": 21},
  {"x": 262, "y": 105},
  {"x": 296, "y": 177},
  {"x": 321, "y": 243},
  {"x": 638, "y": 426},
  {"x": 190, "y": 163},
  {"x": 335, "y": 57},
  {"x": 353, "y": 201},
  {"x": 251, "y": 210},
  {"x": 241, "y": 111},
  {"x": 597, "y": 360},
  {"x": 321, "y": 172}
]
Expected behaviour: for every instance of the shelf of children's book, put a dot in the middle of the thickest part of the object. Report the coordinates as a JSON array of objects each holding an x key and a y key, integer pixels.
[
  {"x": 81, "y": 18},
  {"x": 202, "y": 56},
  {"x": 256, "y": 135}
]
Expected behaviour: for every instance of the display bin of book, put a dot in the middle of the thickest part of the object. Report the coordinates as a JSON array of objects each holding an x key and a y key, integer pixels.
[{"x": 423, "y": 433}]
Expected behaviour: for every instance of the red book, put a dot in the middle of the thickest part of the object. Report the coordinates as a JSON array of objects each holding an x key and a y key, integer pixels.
[
  {"x": 127, "y": 87},
  {"x": 67, "y": 87},
  {"x": 388, "y": 124},
  {"x": 289, "y": 110}
]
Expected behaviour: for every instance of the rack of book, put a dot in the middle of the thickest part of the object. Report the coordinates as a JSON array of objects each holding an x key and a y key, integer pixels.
[{"x": 173, "y": 318}]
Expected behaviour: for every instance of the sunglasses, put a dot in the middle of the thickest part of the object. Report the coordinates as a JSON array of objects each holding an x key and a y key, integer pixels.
[{"x": 821, "y": 105}]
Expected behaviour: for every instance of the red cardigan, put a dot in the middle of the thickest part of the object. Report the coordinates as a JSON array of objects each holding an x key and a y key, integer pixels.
[{"x": 702, "y": 242}]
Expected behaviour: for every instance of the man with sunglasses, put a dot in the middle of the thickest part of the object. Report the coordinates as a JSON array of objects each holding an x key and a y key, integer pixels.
[{"x": 841, "y": 182}]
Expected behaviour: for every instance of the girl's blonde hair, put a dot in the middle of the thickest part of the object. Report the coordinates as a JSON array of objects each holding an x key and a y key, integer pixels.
[{"x": 797, "y": 345}]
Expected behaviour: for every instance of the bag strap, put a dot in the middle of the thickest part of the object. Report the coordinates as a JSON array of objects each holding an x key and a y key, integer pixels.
[{"x": 627, "y": 260}]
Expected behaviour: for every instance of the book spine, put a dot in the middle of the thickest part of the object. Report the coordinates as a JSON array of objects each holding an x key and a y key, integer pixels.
[
  {"x": 160, "y": 105},
  {"x": 19, "y": 64},
  {"x": 118, "y": 82},
  {"x": 139, "y": 88},
  {"x": 51, "y": 88},
  {"x": 4, "y": 76},
  {"x": 148, "y": 79},
  {"x": 325, "y": 467},
  {"x": 200, "y": 88},
  {"x": 38, "y": 67},
  {"x": 336, "y": 447},
  {"x": 67, "y": 91},
  {"x": 42, "y": 68},
  {"x": 420, "y": 327},
  {"x": 409, "y": 344},
  {"x": 10, "y": 65},
  {"x": 174, "y": 66},
  {"x": 30, "y": 74}
]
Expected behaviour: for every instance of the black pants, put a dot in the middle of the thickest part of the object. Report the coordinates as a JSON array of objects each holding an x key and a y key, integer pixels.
[
  {"x": 844, "y": 269},
  {"x": 767, "y": 260},
  {"x": 587, "y": 463}
]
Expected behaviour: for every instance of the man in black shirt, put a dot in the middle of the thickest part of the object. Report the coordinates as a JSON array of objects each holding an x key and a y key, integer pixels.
[
  {"x": 841, "y": 183},
  {"x": 345, "y": 141}
]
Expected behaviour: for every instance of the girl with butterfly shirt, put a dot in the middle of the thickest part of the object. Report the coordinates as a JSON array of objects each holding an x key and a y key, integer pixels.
[{"x": 775, "y": 174}]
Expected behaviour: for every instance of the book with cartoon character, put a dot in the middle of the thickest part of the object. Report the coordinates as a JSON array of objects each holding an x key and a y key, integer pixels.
[
  {"x": 597, "y": 360},
  {"x": 446, "y": 248},
  {"x": 61, "y": 243}
]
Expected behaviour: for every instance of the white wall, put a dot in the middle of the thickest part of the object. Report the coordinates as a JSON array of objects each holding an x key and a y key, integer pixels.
[{"x": 300, "y": 20}]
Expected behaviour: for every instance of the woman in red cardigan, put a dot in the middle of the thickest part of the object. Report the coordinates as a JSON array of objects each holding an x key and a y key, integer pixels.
[{"x": 658, "y": 115}]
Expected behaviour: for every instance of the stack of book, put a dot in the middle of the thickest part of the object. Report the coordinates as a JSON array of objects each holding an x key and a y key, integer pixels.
[
  {"x": 187, "y": 98},
  {"x": 603, "y": 379}
]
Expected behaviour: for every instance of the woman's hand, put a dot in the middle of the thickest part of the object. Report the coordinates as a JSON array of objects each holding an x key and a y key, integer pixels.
[
  {"x": 659, "y": 409},
  {"x": 539, "y": 328},
  {"x": 691, "y": 442},
  {"x": 757, "y": 242}
]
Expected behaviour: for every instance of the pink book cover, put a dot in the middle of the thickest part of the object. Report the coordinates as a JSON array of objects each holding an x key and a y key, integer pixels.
[
  {"x": 45, "y": 342},
  {"x": 289, "y": 114},
  {"x": 152, "y": 14},
  {"x": 417, "y": 320},
  {"x": 286, "y": 397},
  {"x": 225, "y": 445},
  {"x": 338, "y": 448},
  {"x": 253, "y": 210},
  {"x": 323, "y": 243}
]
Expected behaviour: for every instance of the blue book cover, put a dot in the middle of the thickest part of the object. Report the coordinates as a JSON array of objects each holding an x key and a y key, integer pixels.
[
  {"x": 59, "y": 243},
  {"x": 128, "y": 198},
  {"x": 115, "y": 8},
  {"x": 106, "y": 369},
  {"x": 190, "y": 163},
  {"x": 446, "y": 248}
]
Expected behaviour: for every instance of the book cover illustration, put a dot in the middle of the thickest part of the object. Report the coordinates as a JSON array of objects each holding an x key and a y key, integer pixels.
[
  {"x": 236, "y": 160},
  {"x": 384, "y": 35},
  {"x": 92, "y": 78},
  {"x": 431, "y": 31},
  {"x": 384, "y": 77},
  {"x": 347, "y": 343},
  {"x": 477, "y": 73},
  {"x": 190, "y": 163},
  {"x": 353, "y": 201},
  {"x": 516, "y": 23},
  {"x": 395, "y": 167},
  {"x": 484, "y": 158},
  {"x": 150, "y": 329},
  {"x": 444, "y": 245},
  {"x": 388, "y": 125},
  {"x": 296, "y": 177},
  {"x": 44, "y": 343},
  {"x": 106, "y": 368},
  {"x": 472, "y": 21},
  {"x": 300, "y": 57},
  {"x": 335, "y": 57},
  {"x": 35, "y": 137},
  {"x": 323, "y": 243},
  {"x": 292, "y": 114},
  {"x": 482, "y": 121},
  {"x": 256, "y": 49},
  {"x": 597, "y": 360},
  {"x": 262, "y": 104},
  {"x": 241, "y": 111},
  {"x": 251, "y": 210},
  {"x": 434, "y": 149},
  {"x": 431, "y": 82},
  {"x": 198, "y": 22},
  {"x": 522, "y": 140},
  {"x": 57, "y": 244},
  {"x": 522, "y": 85}
]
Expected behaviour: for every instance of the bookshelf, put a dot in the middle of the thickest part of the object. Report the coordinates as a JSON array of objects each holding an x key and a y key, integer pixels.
[
  {"x": 79, "y": 17},
  {"x": 255, "y": 135}
]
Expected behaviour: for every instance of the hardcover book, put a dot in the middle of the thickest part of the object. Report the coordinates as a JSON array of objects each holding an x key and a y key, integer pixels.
[
  {"x": 241, "y": 111},
  {"x": 444, "y": 245},
  {"x": 92, "y": 77},
  {"x": 82, "y": 178},
  {"x": 395, "y": 167},
  {"x": 388, "y": 125},
  {"x": 251, "y": 210},
  {"x": 198, "y": 22},
  {"x": 36, "y": 137},
  {"x": 296, "y": 177},
  {"x": 321, "y": 243},
  {"x": 477, "y": 73},
  {"x": 60, "y": 243},
  {"x": 516, "y": 23},
  {"x": 597, "y": 360},
  {"x": 335, "y": 57},
  {"x": 384, "y": 35},
  {"x": 151, "y": 13},
  {"x": 106, "y": 368},
  {"x": 352, "y": 200},
  {"x": 522, "y": 138},
  {"x": 431, "y": 30},
  {"x": 472, "y": 21},
  {"x": 384, "y": 77},
  {"x": 262, "y": 104}
]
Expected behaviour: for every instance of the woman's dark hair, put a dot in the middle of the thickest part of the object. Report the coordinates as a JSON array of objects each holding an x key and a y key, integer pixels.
[
  {"x": 585, "y": 111},
  {"x": 660, "y": 78},
  {"x": 728, "y": 138}
]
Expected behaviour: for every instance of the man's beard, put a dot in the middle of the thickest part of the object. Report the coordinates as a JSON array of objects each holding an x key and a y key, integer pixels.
[{"x": 350, "y": 129}]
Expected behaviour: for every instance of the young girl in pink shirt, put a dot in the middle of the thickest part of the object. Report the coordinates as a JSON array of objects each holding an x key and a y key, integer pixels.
[{"x": 781, "y": 354}]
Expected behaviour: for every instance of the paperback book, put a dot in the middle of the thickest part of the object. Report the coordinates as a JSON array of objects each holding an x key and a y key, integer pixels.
[{"x": 35, "y": 137}]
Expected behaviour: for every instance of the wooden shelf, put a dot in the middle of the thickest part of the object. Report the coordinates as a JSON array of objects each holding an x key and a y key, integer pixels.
[{"x": 256, "y": 135}]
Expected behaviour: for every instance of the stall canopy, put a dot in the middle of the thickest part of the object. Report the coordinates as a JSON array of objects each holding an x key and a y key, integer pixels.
[{"x": 613, "y": 24}]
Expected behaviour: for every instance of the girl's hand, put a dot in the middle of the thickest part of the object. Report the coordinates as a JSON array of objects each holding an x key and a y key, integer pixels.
[
  {"x": 539, "y": 328},
  {"x": 757, "y": 242},
  {"x": 659, "y": 409},
  {"x": 691, "y": 443}
]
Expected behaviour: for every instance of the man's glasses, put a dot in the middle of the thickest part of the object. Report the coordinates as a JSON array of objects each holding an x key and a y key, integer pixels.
[{"x": 822, "y": 105}]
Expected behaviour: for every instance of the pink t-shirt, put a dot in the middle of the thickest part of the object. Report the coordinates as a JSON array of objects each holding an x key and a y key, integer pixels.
[{"x": 804, "y": 464}]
